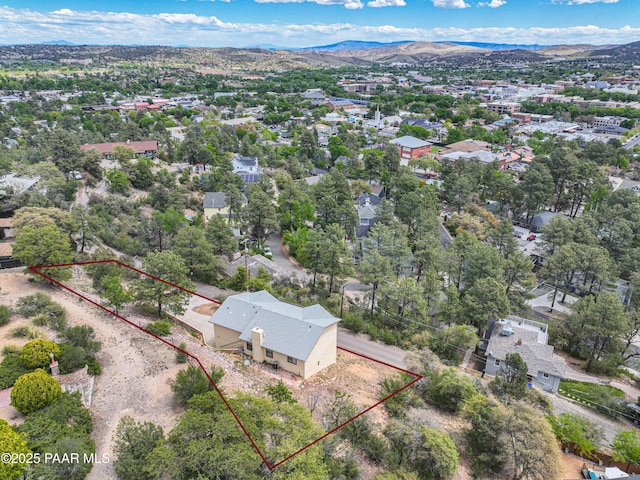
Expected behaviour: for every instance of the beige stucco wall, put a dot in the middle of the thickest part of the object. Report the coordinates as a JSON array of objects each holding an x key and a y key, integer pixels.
[
  {"x": 324, "y": 353},
  {"x": 210, "y": 212},
  {"x": 225, "y": 337}
]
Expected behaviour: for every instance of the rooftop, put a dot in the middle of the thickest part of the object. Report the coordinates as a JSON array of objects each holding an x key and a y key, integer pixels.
[{"x": 288, "y": 329}]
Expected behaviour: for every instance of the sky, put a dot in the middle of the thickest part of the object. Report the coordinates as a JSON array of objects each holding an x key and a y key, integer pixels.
[{"x": 304, "y": 23}]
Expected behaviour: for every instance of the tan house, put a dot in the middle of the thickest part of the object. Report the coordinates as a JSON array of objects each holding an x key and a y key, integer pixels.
[
  {"x": 300, "y": 340},
  {"x": 215, "y": 203}
]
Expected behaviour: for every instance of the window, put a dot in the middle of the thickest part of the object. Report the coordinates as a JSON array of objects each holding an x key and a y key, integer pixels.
[
  {"x": 496, "y": 362},
  {"x": 250, "y": 346},
  {"x": 269, "y": 353},
  {"x": 545, "y": 375},
  {"x": 292, "y": 360}
]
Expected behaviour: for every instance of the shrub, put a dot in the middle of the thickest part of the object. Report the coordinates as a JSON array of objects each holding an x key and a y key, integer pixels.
[
  {"x": 11, "y": 369},
  {"x": 161, "y": 328},
  {"x": 7, "y": 349},
  {"x": 181, "y": 357},
  {"x": 34, "y": 391},
  {"x": 37, "y": 353},
  {"x": 41, "y": 320},
  {"x": 189, "y": 382},
  {"x": 449, "y": 390},
  {"x": 25, "y": 331},
  {"x": 15, "y": 443},
  {"x": 5, "y": 315}
]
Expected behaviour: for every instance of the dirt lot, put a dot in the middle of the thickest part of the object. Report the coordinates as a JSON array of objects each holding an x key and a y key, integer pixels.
[{"x": 137, "y": 369}]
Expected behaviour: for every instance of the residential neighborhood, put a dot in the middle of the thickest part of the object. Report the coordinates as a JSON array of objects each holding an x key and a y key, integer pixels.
[{"x": 374, "y": 270}]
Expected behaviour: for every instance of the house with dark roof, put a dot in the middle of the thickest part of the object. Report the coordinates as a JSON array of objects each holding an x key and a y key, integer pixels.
[
  {"x": 529, "y": 339},
  {"x": 300, "y": 340},
  {"x": 215, "y": 203}
]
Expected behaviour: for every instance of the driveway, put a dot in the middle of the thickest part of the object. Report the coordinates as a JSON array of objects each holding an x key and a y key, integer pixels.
[{"x": 279, "y": 258}]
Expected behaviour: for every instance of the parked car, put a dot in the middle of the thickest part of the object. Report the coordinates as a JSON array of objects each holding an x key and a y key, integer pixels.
[{"x": 531, "y": 238}]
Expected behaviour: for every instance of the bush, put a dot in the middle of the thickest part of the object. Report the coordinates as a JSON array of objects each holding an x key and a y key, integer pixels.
[
  {"x": 5, "y": 315},
  {"x": 189, "y": 382},
  {"x": 39, "y": 303},
  {"x": 41, "y": 320},
  {"x": 12, "y": 442},
  {"x": 25, "y": 331},
  {"x": 37, "y": 353},
  {"x": 8, "y": 349},
  {"x": 161, "y": 328},
  {"x": 11, "y": 369},
  {"x": 34, "y": 391},
  {"x": 181, "y": 357},
  {"x": 449, "y": 390}
]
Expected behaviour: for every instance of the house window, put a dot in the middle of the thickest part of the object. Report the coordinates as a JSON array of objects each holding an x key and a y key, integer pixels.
[
  {"x": 545, "y": 375},
  {"x": 496, "y": 362},
  {"x": 269, "y": 353},
  {"x": 292, "y": 360},
  {"x": 250, "y": 346}
]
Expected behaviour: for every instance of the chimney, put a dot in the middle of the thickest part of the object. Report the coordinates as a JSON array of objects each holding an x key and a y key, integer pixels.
[
  {"x": 519, "y": 342},
  {"x": 257, "y": 337}
]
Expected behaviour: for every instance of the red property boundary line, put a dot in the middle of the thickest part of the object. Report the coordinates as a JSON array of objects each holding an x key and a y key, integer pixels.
[{"x": 270, "y": 467}]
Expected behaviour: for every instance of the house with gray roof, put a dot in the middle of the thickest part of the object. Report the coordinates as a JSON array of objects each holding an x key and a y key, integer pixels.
[
  {"x": 301, "y": 340},
  {"x": 529, "y": 339}
]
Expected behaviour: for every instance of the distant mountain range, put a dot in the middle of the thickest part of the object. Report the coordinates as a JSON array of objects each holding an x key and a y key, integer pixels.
[{"x": 334, "y": 55}]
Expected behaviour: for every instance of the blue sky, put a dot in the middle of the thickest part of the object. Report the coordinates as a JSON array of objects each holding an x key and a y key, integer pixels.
[{"x": 301, "y": 23}]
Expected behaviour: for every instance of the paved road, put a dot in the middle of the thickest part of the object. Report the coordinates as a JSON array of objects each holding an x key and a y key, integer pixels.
[
  {"x": 609, "y": 425},
  {"x": 362, "y": 345}
]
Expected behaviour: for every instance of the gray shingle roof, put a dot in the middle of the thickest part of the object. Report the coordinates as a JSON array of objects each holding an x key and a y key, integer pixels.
[
  {"x": 288, "y": 329},
  {"x": 539, "y": 357},
  {"x": 215, "y": 200},
  {"x": 409, "y": 142}
]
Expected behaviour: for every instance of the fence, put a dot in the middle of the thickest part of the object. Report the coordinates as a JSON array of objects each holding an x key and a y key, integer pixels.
[{"x": 603, "y": 459}]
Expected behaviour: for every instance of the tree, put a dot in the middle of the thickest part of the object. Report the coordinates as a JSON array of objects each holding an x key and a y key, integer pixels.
[
  {"x": 511, "y": 379},
  {"x": 437, "y": 456},
  {"x": 449, "y": 390},
  {"x": 15, "y": 444},
  {"x": 536, "y": 188},
  {"x": 191, "y": 244},
  {"x": 626, "y": 447},
  {"x": 44, "y": 246},
  {"x": 451, "y": 343},
  {"x": 594, "y": 331},
  {"x": 117, "y": 181},
  {"x": 500, "y": 441},
  {"x": 584, "y": 434},
  {"x": 486, "y": 298},
  {"x": 32, "y": 391},
  {"x": 114, "y": 292},
  {"x": 192, "y": 381},
  {"x": 280, "y": 393},
  {"x": 134, "y": 444},
  {"x": 259, "y": 214},
  {"x": 170, "y": 268},
  {"x": 220, "y": 237},
  {"x": 375, "y": 269},
  {"x": 37, "y": 353},
  {"x": 518, "y": 278},
  {"x": 335, "y": 256}
]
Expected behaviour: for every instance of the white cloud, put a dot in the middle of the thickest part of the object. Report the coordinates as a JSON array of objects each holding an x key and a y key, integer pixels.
[
  {"x": 450, "y": 4},
  {"x": 386, "y": 3},
  {"x": 582, "y": 2},
  {"x": 349, "y": 4},
  {"x": 493, "y": 3},
  {"x": 28, "y": 26}
]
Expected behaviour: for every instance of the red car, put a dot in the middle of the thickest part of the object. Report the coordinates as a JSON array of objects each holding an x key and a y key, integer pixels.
[{"x": 531, "y": 237}]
